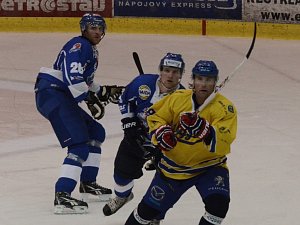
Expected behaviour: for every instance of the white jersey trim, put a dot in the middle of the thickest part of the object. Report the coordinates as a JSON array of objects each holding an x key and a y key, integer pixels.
[
  {"x": 78, "y": 89},
  {"x": 52, "y": 72}
]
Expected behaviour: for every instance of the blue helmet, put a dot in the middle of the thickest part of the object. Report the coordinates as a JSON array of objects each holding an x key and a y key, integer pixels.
[
  {"x": 172, "y": 60},
  {"x": 93, "y": 20},
  {"x": 205, "y": 68}
]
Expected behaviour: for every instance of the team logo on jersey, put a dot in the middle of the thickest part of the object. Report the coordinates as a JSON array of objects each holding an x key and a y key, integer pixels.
[
  {"x": 219, "y": 181},
  {"x": 157, "y": 193},
  {"x": 76, "y": 47},
  {"x": 230, "y": 109},
  {"x": 224, "y": 130},
  {"x": 144, "y": 92}
]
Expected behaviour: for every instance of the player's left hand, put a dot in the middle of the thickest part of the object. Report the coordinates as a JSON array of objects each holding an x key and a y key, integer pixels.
[
  {"x": 193, "y": 125},
  {"x": 95, "y": 106},
  {"x": 110, "y": 93}
]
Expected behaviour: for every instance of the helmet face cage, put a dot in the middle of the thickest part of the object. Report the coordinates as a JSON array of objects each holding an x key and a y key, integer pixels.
[
  {"x": 205, "y": 68},
  {"x": 172, "y": 60},
  {"x": 94, "y": 20}
]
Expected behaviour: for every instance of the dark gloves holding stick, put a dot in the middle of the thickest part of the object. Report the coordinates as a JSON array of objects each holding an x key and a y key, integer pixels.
[
  {"x": 133, "y": 130},
  {"x": 153, "y": 154},
  {"x": 96, "y": 102},
  {"x": 110, "y": 93},
  {"x": 135, "y": 133}
]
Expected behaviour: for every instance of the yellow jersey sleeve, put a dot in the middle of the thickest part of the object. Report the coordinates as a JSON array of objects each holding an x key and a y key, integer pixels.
[{"x": 222, "y": 116}]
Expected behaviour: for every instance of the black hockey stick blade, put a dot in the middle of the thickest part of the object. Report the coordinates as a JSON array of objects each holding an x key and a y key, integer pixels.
[
  {"x": 226, "y": 80},
  {"x": 137, "y": 62},
  {"x": 252, "y": 43}
]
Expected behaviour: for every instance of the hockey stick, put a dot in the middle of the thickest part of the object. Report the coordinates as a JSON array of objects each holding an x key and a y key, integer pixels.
[
  {"x": 228, "y": 78},
  {"x": 137, "y": 62}
]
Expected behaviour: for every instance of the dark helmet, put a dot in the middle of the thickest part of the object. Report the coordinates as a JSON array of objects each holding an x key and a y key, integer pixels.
[
  {"x": 172, "y": 60},
  {"x": 93, "y": 20},
  {"x": 205, "y": 68}
]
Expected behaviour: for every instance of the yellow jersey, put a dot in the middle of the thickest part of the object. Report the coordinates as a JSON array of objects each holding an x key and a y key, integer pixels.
[{"x": 191, "y": 156}]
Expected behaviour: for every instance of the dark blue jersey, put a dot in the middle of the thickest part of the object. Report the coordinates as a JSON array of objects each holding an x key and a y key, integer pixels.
[
  {"x": 74, "y": 68},
  {"x": 139, "y": 95}
]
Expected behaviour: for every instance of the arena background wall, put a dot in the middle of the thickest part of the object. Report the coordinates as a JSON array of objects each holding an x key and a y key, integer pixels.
[{"x": 219, "y": 18}]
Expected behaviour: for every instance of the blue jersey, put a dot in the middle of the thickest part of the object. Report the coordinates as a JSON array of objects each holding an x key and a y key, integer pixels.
[
  {"x": 74, "y": 68},
  {"x": 139, "y": 95}
]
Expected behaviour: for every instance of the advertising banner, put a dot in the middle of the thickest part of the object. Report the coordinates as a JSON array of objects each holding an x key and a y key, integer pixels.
[
  {"x": 208, "y": 9},
  {"x": 273, "y": 11},
  {"x": 54, "y": 8}
]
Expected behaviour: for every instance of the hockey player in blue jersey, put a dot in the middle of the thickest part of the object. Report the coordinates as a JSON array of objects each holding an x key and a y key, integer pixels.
[
  {"x": 194, "y": 142},
  {"x": 138, "y": 96},
  {"x": 58, "y": 92}
]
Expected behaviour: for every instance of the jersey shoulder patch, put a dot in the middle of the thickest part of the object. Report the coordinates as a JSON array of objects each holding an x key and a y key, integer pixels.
[
  {"x": 144, "y": 92},
  {"x": 231, "y": 108},
  {"x": 76, "y": 47}
]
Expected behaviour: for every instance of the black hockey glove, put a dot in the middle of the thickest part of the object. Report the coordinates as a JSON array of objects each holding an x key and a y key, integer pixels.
[
  {"x": 134, "y": 131},
  {"x": 149, "y": 166},
  {"x": 95, "y": 106},
  {"x": 110, "y": 93},
  {"x": 153, "y": 154}
]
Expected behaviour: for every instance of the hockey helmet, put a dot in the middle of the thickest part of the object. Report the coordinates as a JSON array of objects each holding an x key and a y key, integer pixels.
[
  {"x": 205, "y": 68},
  {"x": 93, "y": 20},
  {"x": 172, "y": 60}
]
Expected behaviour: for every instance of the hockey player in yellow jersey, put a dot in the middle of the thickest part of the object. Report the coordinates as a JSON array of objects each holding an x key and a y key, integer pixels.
[{"x": 194, "y": 137}]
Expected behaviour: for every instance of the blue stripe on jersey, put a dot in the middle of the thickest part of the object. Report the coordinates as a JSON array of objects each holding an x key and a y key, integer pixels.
[
  {"x": 213, "y": 141},
  {"x": 190, "y": 170}
]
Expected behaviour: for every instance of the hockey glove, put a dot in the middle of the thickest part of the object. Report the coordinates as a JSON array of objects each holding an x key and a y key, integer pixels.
[
  {"x": 166, "y": 139},
  {"x": 149, "y": 166},
  {"x": 95, "y": 106},
  {"x": 133, "y": 130},
  {"x": 191, "y": 124},
  {"x": 153, "y": 154},
  {"x": 150, "y": 150},
  {"x": 110, "y": 93}
]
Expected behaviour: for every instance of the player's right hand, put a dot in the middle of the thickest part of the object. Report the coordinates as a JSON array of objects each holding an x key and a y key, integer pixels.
[
  {"x": 133, "y": 130},
  {"x": 166, "y": 139}
]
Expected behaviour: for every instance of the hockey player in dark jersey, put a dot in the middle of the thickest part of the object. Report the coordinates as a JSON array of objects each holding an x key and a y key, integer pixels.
[
  {"x": 59, "y": 90},
  {"x": 138, "y": 96},
  {"x": 194, "y": 137}
]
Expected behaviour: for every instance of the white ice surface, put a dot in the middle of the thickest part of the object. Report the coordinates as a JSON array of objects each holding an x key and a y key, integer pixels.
[{"x": 264, "y": 163}]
